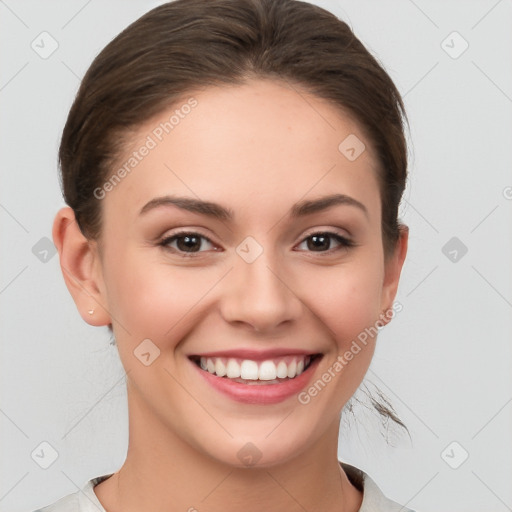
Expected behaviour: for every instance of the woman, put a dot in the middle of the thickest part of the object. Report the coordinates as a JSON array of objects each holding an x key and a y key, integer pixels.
[{"x": 233, "y": 171}]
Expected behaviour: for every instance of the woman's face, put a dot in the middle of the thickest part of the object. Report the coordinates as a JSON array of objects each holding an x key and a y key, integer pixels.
[{"x": 264, "y": 287}]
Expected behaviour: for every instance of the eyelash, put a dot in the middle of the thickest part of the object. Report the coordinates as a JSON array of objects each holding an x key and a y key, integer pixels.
[{"x": 344, "y": 242}]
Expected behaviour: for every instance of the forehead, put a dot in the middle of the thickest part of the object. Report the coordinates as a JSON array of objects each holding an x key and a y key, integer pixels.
[{"x": 263, "y": 144}]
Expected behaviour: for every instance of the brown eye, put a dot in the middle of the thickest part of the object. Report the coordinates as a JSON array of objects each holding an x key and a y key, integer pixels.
[
  {"x": 187, "y": 243},
  {"x": 321, "y": 241}
]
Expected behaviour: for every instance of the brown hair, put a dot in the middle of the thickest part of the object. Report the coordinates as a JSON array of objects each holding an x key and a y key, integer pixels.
[{"x": 187, "y": 45}]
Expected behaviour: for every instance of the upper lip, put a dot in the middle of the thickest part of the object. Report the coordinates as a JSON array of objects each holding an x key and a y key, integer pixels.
[{"x": 256, "y": 355}]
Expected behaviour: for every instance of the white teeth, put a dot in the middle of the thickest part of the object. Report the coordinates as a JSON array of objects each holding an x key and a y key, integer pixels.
[
  {"x": 247, "y": 369},
  {"x": 220, "y": 367},
  {"x": 267, "y": 371},
  {"x": 292, "y": 369},
  {"x": 282, "y": 370},
  {"x": 233, "y": 369}
]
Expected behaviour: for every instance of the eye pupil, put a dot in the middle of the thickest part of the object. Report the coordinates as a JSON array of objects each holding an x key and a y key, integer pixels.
[
  {"x": 190, "y": 242},
  {"x": 322, "y": 245}
]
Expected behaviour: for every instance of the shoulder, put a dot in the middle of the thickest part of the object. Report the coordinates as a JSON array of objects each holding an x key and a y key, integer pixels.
[
  {"x": 373, "y": 498},
  {"x": 67, "y": 503},
  {"x": 83, "y": 500}
]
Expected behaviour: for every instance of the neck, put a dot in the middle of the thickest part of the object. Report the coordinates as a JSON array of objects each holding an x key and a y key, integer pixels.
[{"x": 164, "y": 472}]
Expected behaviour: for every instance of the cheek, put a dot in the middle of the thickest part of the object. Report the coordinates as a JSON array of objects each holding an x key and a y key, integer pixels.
[
  {"x": 347, "y": 299},
  {"x": 151, "y": 300},
  {"x": 347, "y": 302}
]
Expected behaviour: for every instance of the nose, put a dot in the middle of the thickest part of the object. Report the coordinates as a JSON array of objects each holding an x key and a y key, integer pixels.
[{"x": 260, "y": 295}]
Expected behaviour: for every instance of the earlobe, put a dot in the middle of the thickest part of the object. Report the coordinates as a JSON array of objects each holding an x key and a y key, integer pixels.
[
  {"x": 392, "y": 271},
  {"x": 79, "y": 262}
]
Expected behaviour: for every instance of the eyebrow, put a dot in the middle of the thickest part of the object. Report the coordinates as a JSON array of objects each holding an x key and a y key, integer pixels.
[{"x": 217, "y": 211}]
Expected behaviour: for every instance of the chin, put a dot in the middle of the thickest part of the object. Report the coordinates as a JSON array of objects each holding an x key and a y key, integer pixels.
[{"x": 257, "y": 451}]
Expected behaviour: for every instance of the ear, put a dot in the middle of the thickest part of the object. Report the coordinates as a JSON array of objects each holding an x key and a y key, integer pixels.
[
  {"x": 81, "y": 267},
  {"x": 392, "y": 269}
]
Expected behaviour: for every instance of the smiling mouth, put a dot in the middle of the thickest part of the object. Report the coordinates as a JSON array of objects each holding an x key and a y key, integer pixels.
[{"x": 248, "y": 371}]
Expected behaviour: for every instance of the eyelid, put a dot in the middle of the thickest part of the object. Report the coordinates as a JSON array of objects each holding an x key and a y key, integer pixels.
[
  {"x": 344, "y": 242},
  {"x": 165, "y": 240},
  {"x": 327, "y": 230}
]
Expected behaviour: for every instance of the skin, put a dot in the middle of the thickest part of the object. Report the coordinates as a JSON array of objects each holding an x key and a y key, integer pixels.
[{"x": 257, "y": 149}]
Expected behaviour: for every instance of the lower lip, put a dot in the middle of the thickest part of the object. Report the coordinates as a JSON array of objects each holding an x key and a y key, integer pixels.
[{"x": 259, "y": 393}]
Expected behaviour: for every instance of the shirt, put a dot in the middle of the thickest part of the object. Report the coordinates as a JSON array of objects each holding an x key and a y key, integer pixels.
[{"x": 85, "y": 500}]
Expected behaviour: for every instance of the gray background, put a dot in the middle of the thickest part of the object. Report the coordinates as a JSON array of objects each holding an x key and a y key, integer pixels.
[{"x": 444, "y": 361}]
